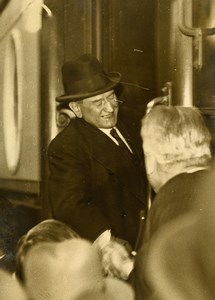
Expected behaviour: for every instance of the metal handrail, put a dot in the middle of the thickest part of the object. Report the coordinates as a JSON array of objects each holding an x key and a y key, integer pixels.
[{"x": 198, "y": 34}]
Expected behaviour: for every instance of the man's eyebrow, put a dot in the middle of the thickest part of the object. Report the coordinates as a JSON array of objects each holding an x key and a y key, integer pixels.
[
  {"x": 101, "y": 98},
  {"x": 94, "y": 100}
]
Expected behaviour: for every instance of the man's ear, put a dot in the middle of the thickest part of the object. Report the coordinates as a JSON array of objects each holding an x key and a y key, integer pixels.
[
  {"x": 75, "y": 107},
  {"x": 150, "y": 162}
]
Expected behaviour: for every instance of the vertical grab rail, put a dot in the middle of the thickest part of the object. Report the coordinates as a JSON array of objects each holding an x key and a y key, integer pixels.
[{"x": 196, "y": 33}]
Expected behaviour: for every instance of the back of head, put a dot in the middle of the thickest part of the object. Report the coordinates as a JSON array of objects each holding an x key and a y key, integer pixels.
[
  {"x": 10, "y": 288},
  {"x": 46, "y": 231},
  {"x": 62, "y": 270},
  {"x": 176, "y": 134},
  {"x": 70, "y": 270}
]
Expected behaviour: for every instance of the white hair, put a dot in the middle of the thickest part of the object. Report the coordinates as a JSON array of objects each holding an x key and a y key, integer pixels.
[{"x": 177, "y": 134}]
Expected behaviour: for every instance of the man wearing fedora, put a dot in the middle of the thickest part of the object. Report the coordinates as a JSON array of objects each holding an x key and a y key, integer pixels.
[{"x": 97, "y": 182}]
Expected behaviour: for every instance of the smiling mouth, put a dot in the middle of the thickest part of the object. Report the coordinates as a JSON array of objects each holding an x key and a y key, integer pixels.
[{"x": 107, "y": 117}]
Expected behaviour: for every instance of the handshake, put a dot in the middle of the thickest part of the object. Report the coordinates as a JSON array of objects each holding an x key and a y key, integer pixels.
[{"x": 117, "y": 260}]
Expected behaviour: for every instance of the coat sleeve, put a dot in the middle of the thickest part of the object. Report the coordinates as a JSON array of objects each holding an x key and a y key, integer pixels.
[{"x": 70, "y": 190}]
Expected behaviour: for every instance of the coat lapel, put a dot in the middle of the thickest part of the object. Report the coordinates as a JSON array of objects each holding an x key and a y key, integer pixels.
[
  {"x": 136, "y": 154},
  {"x": 107, "y": 153}
]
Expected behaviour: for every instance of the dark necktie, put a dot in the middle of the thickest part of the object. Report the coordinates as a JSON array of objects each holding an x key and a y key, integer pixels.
[{"x": 122, "y": 145}]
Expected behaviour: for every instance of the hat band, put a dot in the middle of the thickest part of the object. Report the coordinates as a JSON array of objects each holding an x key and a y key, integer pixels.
[{"x": 97, "y": 82}]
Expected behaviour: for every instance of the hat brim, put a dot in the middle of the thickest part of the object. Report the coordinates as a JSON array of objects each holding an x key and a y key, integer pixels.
[{"x": 114, "y": 80}]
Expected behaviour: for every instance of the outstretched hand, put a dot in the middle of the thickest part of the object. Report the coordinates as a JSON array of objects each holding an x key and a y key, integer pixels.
[{"x": 116, "y": 258}]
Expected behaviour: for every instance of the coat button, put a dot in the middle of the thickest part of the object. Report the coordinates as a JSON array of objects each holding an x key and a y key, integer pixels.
[{"x": 123, "y": 214}]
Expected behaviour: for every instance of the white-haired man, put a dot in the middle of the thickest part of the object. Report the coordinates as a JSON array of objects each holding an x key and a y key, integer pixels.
[{"x": 176, "y": 145}]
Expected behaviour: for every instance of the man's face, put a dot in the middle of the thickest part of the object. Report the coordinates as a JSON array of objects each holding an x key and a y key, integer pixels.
[{"x": 101, "y": 110}]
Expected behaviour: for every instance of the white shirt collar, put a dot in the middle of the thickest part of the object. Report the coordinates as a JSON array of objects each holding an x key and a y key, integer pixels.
[{"x": 107, "y": 132}]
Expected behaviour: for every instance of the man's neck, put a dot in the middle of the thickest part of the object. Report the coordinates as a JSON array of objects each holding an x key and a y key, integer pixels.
[{"x": 167, "y": 175}]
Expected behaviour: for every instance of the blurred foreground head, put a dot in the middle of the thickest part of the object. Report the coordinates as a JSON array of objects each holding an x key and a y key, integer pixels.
[
  {"x": 49, "y": 230},
  {"x": 175, "y": 140},
  {"x": 10, "y": 288},
  {"x": 70, "y": 270}
]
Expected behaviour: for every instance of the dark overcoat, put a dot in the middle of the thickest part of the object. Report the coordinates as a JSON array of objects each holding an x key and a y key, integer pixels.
[
  {"x": 93, "y": 185},
  {"x": 182, "y": 194}
]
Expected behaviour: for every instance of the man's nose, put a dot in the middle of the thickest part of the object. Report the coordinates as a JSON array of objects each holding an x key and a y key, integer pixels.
[{"x": 108, "y": 106}]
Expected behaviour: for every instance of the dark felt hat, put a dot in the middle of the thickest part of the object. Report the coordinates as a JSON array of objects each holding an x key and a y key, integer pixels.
[{"x": 85, "y": 78}]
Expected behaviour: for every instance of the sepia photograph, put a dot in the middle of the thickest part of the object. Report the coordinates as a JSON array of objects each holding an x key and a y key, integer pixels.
[{"x": 107, "y": 144}]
